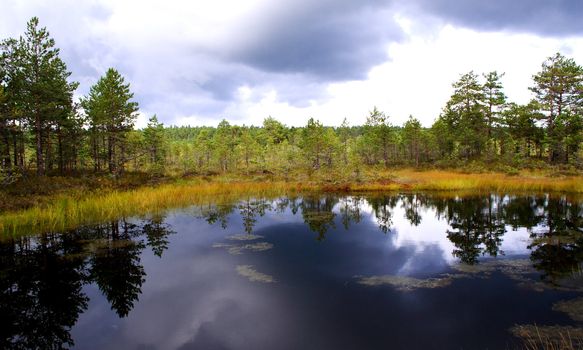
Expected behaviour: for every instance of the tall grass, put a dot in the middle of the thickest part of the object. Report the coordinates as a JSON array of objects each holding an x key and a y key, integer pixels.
[
  {"x": 65, "y": 212},
  {"x": 536, "y": 337},
  {"x": 495, "y": 182}
]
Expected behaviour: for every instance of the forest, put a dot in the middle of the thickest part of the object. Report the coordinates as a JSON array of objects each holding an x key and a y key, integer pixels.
[{"x": 44, "y": 130}]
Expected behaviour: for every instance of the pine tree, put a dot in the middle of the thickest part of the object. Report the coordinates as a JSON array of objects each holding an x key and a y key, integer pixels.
[
  {"x": 248, "y": 148},
  {"x": 155, "y": 144},
  {"x": 557, "y": 87},
  {"x": 379, "y": 134},
  {"x": 225, "y": 142},
  {"x": 313, "y": 142},
  {"x": 39, "y": 87},
  {"x": 464, "y": 115},
  {"x": 111, "y": 114},
  {"x": 494, "y": 100},
  {"x": 412, "y": 138},
  {"x": 344, "y": 134}
]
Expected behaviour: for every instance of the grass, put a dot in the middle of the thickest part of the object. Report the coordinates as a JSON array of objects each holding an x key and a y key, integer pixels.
[
  {"x": 67, "y": 213},
  {"x": 536, "y": 337},
  {"x": 70, "y": 208},
  {"x": 488, "y": 182}
]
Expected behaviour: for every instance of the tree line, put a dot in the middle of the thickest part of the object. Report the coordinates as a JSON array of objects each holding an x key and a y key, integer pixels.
[{"x": 43, "y": 128}]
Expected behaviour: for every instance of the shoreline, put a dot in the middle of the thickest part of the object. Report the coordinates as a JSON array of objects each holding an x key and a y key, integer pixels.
[{"x": 71, "y": 208}]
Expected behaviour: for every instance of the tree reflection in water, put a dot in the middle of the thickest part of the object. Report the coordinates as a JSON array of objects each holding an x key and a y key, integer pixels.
[
  {"x": 477, "y": 227},
  {"x": 42, "y": 277},
  {"x": 557, "y": 246}
]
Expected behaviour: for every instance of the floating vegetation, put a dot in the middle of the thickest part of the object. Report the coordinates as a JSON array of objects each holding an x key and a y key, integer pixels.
[
  {"x": 237, "y": 249},
  {"x": 406, "y": 284},
  {"x": 567, "y": 236},
  {"x": 506, "y": 266},
  {"x": 549, "y": 337},
  {"x": 519, "y": 270},
  {"x": 473, "y": 269},
  {"x": 572, "y": 282},
  {"x": 244, "y": 237},
  {"x": 573, "y": 308},
  {"x": 254, "y": 275}
]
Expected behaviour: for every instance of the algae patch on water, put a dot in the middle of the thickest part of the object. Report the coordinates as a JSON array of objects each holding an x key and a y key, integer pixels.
[
  {"x": 519, "y": 270},
  {"x": 573, "y": 308},
  {"x": 238, "y": 249},
  {"x": 244, "y": 237},
  {"x": 253, "y": 275},
  {"x": 405, "y": 284}
]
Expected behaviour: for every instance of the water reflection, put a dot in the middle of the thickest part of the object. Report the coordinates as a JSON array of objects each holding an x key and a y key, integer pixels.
[
  {"x": 42, "y": 278},
  {"x": 557, "y": 245},
  {"x": 477, "y": 227},
  {"x": 318, "y": 213}
]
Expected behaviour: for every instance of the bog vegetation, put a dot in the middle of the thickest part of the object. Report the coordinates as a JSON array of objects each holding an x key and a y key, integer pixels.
[{"x": 43, "y": 130}]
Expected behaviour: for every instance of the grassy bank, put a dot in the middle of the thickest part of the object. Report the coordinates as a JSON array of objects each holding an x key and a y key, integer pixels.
[
  {"x": 67, "y": 213},
  {"x": 73, "y": 207},
  {"x": 490, "y": 182}
]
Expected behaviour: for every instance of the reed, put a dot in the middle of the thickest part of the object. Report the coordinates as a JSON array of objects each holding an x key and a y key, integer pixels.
[
  {"x": 536, "y": 337},
  {"x": 488, "y": 182},
  {"x": 67, "y": 212}
]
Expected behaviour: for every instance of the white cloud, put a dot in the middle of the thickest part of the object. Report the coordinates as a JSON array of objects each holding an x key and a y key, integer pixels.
[
  {"x": 178, "y": 57},
  {"x": 417, "y": 79}
]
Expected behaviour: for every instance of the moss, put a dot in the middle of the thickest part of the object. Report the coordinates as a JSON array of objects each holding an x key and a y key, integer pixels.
[
  {"x": 238, "y": 249},
  {"x": 549, "y": 337},
  {"x": 406, "y": 284},
  {"x": 573, "y": 308},
  {"x": 244, "y": 237},
  {"x": 253, "y": 275},
  {"x": 519, "y": 270}
]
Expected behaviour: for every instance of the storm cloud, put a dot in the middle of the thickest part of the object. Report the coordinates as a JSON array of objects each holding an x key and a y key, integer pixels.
[
  {"x": 544, "y": 17},
  {"x": 329, "y": 40},
  {"x": 199, "y": 61}
]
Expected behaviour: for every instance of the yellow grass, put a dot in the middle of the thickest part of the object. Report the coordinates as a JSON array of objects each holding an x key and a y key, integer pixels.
[
  {"x": 67, "y": 213},
  {"x": 495, "y": 182}
]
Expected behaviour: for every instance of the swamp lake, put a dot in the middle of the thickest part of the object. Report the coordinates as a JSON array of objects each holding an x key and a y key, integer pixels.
[{"x": 321, "y": 271}]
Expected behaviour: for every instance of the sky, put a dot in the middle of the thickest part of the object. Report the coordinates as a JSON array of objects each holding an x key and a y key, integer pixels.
[{"x": 198, "y": 62}]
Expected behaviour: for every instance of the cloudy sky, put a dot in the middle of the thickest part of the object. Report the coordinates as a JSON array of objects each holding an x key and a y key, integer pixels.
[{"x": 197, "y": 62}]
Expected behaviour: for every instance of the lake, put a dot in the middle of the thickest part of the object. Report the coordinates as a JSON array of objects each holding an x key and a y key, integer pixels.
[{"x": 394, "y": 271}]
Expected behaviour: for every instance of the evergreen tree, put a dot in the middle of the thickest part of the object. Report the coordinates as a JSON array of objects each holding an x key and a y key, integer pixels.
[
  {"x": 557, "y": 87},
  {"x": 412, "y": 138},
  {"x": 225, "y": 141},
  {"x": 41, "y": 91},
  {"x": 525, "y": 135},
  {"x": 464, "y": 115},
  {"x": 313, "y": 142},
  {"x": 155, "y": 143},
  {"x": 111, "y": 115},
  {"x": 274, "y": 131},
  {"x": 379, "y": 134},
  {"x": 344, "y": 135},
  {"x": 495, "y": 101},
  {"x": 248, "y": 147}
]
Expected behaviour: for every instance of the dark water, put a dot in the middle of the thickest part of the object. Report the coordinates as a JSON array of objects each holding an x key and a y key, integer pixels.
[{"x": 323, "y": 272}]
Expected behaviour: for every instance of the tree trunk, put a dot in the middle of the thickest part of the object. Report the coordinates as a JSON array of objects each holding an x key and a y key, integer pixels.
[
  {"x": 40, "y": 164},
  {"x": 60, "y": 150},
  {"x": 111, "y": 154},
  {"x": 6, "y": 152}
]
